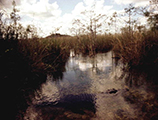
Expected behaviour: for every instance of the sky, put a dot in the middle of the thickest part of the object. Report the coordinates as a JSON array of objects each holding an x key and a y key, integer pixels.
[{"x": 48, "y": 15}]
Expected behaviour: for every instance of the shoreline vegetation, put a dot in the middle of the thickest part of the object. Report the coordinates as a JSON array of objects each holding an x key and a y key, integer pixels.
[
  {"x": 22, "y": 52},
  {"x": 134, "y": 47}
]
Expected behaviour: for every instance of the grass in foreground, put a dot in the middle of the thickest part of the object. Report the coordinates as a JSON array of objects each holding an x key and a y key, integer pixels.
[{"x": 44, "y": 54}]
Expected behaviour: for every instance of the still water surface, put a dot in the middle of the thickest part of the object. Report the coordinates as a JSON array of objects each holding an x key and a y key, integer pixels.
[{"x": 88, "y": 89}]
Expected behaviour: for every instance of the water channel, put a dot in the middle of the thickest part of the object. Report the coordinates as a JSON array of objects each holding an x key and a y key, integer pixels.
[{"x": 88, "y": 89}]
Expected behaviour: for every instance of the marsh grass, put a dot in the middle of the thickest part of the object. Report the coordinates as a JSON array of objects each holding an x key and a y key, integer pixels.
[
  {"x": 139, "y": 52},
  {"x": 44, "y": 54},
  {"x": 137, "y": 49},
  {"x": 128, "y": 47},
  {"x": 83, "y": 44}
]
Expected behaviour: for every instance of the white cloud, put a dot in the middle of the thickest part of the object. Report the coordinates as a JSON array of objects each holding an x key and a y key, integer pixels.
[
  {"x": 136, "y": 2},
  {"x": 42, "y": 13},
  {"x": 40, "y": 9},
  {"x": 88, "y": 2},
  {"x": 31, "y": 1},
  {"x": 142, "y": 20},
  {"x": 99, "y": 8},
  {"x": 47, "y": 15},
  {"x": 78, "y": 8},
  {"x": 142, "y": 3}
]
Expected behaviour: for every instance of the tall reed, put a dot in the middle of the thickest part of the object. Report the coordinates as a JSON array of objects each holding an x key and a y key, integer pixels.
[
  {"x": 136, "y": 49},
  {"x": 83, "y": 44},
  {"x": 44, "y": 54}
]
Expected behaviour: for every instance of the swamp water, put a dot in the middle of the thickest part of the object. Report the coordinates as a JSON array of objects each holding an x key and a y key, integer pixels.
[{"x": 88, "y": 89}]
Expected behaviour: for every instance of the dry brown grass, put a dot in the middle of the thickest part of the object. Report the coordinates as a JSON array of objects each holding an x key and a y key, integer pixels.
[
  {"x": 135, "y": 49},
  {"x": 85, "y": 45},
  {"x": 44, "y": 54}
]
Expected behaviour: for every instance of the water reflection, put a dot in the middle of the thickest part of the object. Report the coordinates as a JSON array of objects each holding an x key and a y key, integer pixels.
[
  {"x": 81, "y": 94},
  {"x": 100, "y": 61},
  {"x": 90, "y": 88}
]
